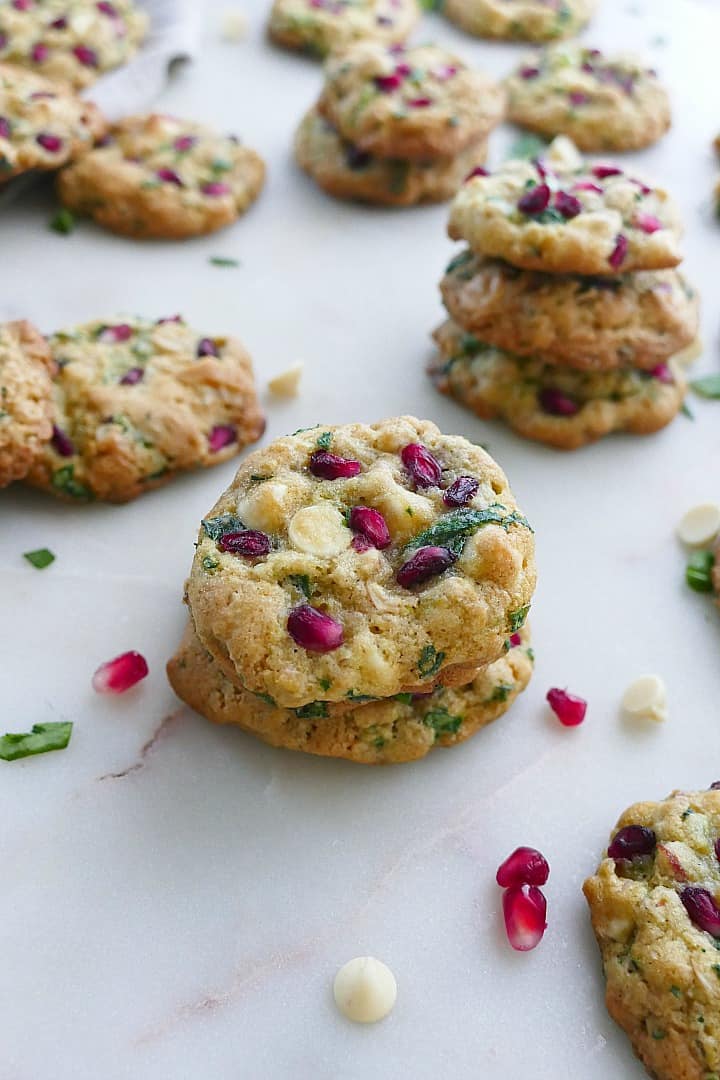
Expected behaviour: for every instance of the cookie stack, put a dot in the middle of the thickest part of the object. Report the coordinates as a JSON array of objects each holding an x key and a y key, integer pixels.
[
  {"x": 398, "y": 126},
  {"x": 567, "y": 316},
  {"x": 360, "y": 592}
]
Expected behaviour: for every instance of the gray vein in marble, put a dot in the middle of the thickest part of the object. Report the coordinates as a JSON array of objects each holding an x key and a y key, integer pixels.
[{"x": 147, "y": 749}]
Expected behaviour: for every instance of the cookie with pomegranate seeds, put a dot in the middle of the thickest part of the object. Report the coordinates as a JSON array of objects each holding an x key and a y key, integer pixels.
[
  {"x": 377, "y": 733},
  {"x": 520, "y": 20},
  {"x": 26, "y": 369},
  {"x": 559, "y": 406},
  {"x": 323, "y": 26},
  {"x": 345, "y": 172},
  {"x": 654, "y": 908},
  {"x": 591, "y": 219},
  {"x": 42, "y": 125},
  {"x": 136, "y": 402},
  {"x": 159, "y": 177},
  {"x": 418, "y": 103},
  {"x": 633, "y": 320},
  {"x": 601, "y": 102},
  {"x": 71, "y": 41},
  {"x": 360, "y": 561}
]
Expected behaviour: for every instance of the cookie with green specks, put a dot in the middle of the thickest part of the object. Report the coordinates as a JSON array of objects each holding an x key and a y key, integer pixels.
[
  {"x": 136, "y": 402},
  {"x": 360, "y": 561},
  {"x": 654, "y": 905},
  {"x": 26, "y": 369},
  {"x": 160, "y": 177},
  {"x": 601, "y": 102},
  {"x": 417, "y": 103},
  {"x": 319, "y": 27},
  {"x": 564, "y": 408},
  {"x": 580, "y": 219},
  {"x": 345, "y": 172},
  {"x": 520, "y": 20},
  {"x": 632, "y": 320},
  {"x": 378, "y": 733}
]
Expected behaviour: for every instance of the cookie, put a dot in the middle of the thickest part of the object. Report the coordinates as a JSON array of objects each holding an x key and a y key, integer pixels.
[
  {"x": 137, "y": 402},
  {"x": 632, "y": 320},
  {"x": 587, "y": 219},
  {"x": 555, "y": 405},
  {"x": 378, "y": 733},
  {"x": 71, "y": 41},
  {"x": 520, "y": 20},
  {"x": 345, "y": 172},
  {"x": 42, "y": 125},
  {"x": 161, "y": 177},
  {"x": 360, "y": 561},
  {"x": 323, "y": 26},
  {"x": 601, "y": 103},
  {"x": 653, "y": 904},
  {"x": 419, "y": 103},
  {"x": 26, "y": 369}
]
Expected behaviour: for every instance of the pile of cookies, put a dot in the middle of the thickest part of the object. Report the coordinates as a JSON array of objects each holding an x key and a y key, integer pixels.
[
  {"x": 398, "y": 126},
  {"x": 360, "y": 592},
  {"x": 567, "y": 316}
]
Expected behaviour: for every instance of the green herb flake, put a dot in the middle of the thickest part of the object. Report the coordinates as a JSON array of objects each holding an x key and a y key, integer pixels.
[
  {"x": 223, "y": 260},
  {"x": 352, "y": 695},
  {"x": 40, "y": 558},
  {"x": 315, "y": 710},
  {"x": 707, "y": 387},
  {"x": 325, "y": 684},
  {"x": 302, "y": 583},
  {"x": 526, "y": 147},
  {"x": 404, "y": 699},
  {"x": 687, "y": 411},
  {"x": 267, "y": 699},
  {"x": 220, "y": 525},
  {"x": 453, "y": 529},
  {"x": 698, "y": 573},
  {"x": 64, "y": 480},
  {"x": 442, "y": 723},
  {"x": 324, "y": 441},
  {"x": 502, "y": 692},
  {"x": 209, "y": 564},
  {"x": 657, "y": 1034},
  {"x": 517, "y": 618},
  {"x": 63, "y": 222},
  {"x": 676, "y": 991},
  {"x": 430, "y": 661},
  {"x": 42, "y": 739}
]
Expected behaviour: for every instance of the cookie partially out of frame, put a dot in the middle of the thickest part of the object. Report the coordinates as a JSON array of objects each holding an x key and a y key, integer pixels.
[
  {"x": 26, "y": 403},
  {"x": 520, "y": 20},
  {"x": 323, "y": 26}
]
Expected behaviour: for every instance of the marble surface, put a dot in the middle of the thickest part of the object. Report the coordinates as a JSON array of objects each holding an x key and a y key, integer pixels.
[{"x": 176, "y": 899}]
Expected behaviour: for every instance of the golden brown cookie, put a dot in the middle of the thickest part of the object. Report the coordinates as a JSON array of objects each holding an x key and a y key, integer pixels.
[
  {"x": 319, "y": 27},
  {"x": 26, "y": 369},
  {"x": 520, "y": 20}
]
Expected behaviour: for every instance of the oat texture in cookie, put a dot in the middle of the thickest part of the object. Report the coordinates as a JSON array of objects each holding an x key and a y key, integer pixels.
[
  {"x": 591, "y": 323},
  {"x": 319, "y": 27},
  {"x": 160, "y": 177},
  {"x": 400, "y": 729},
  {"x": 521, "y": 20},
  {"x": 654, "y": 904},
  {"x": 418, "y": 103},
  {"x": 71, "y": 41},
  {"x": 42, "y": 125},
  {"x": 137, "y": 401},
  {"x": 573, "y": 218},
  {"x": 559, "y": 406},
  {"x": 26, "y": 367},
  {"x": 345, "y": 172},
  {"x": 361, "y": 561}
]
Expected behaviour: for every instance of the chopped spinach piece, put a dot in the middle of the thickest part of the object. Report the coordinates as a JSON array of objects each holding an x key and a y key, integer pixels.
[
  {"x": 266, "y": 698},
  {"x": 441, "y": 721},
  {"x": 40, "y": 558},
  {"x": 459, "y": 261},
  {"x": 698, "y": 573},
  {"x": 315, "y": 710},
  {"x": 707, "y": 387},
  {"x": 209, "y": 564},
  {"x": 219, "y": 526},
  {"x": 517, "y": 618},
  {"x": 64, "y": 480},
  {"x": 526, "y": 147},
  {"x": 453, "y": 529},
  {"x": 502, "y": 692},
  {"x": 302, "y": 584},
  {"x": 324, "y": 441},
  {"x": 42, "y": 739},
  {"x": 404, "y": 699},
  {"x": 325, "y": 684},
  {"x": 430, "y": 661},
  {"x": 223, "y": 260},
  {"x": 63, "y": 222}
]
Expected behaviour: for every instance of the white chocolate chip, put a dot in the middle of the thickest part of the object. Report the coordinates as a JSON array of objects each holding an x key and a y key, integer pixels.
[
  {"x": 563, "y": 153},
  {"x": 365, "y": 990},
  {"x": 234, "y": 24},
  {"x": 319, "y": 530},
  {"x": 288, "y": 382},
  {"x": 700, "y": 525},
  {"x": 647, "y": 698}
]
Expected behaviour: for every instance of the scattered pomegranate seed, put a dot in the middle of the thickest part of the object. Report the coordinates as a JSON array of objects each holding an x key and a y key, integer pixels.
[
  {"x": 207, "y": 347},
  {"x": 604, "y": 171},
  {"x": 118, "y": 675},
  {"x": 169, "y": 176},
  {"x": 62, "y": 443},
  {"x": 570, "y": 710},
  {"x": 648, "y": 223},
  {"x": 313, "y": 630},
  {"x": 556, "y": 403},
  {"x": 425, "y": 470},
  {"x": 387, "y": 83},
  {"x": 51, "y": 143},
  {"x": 631, "y": 842},
  {"x": 427, "y": 562},
  {"x": 663, "y": 373},
  {"x": 567, "y": 205},
  {"x": 250, "y": 543},
  {"x": 461, "y": 491},
  {"x": 702, "y": 909},
  {"x": 39, "y": 53},
  {"x": 535, "y": 200},
  {"x": 86, "y": 56},
  {"x": 116, "y": 334},
  {"x": 617, "y": 256},
  {"x": 221, "y": 435},
  {"x": 370, "y": 525},
  {"x": 525, "y": 866},
  {"x": 524, "y": 910},
  {"x": 529, "y": 72},
  {"x": 331, "y": 467},
  {"x": 215, "y": 188},
  {"x": 132, "y": 376},
  {"x": 515, "y": 640}
]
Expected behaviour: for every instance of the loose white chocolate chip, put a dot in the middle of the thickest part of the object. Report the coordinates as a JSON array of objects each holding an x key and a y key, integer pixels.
[
  {"x": 288, "y": 382},
  {"x": 319, "y": 530},
  {"x": 700, "y": 525},
  {"x": 647, "y": 698},
  {"x": 365, "y": 990},
  {"x": 233, "y": 24}
]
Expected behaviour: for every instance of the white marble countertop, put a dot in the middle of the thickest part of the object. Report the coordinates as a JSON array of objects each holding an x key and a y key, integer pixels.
[{"x": 176, "y": 898}]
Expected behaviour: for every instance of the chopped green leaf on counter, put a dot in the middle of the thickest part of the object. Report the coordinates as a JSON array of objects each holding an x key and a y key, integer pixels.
[
  {"x": 42, "y": 739},
  {"x": 40, "y": 558}
]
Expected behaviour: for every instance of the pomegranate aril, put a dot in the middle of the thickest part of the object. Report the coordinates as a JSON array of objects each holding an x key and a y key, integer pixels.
[
  {"x": 525, "y": 866},
  {"x": 716, "y": 849},
  {"x": 556, "y": 403},
  {"x": 4, "y": 128},
  {"x": 250, "y": 543},
  {"x": 648, "y": 223},
  {"x": 59, "y": 24},
  {"x": 427, "y": 562},
  {"x": 169, "y": 176},
  {"x": 62, "y": 443},
  {"x": 567, "y": 205},
  {"x": 420, "y": 102},
  {"x": 387, "y": 83},
  {"x": 461, "y": 491},
  {"x": 524, "y": 911},
  {"x": 618, "y": 253},
  {"x": 118, "y": 675},
  {"x": 221, "y": 435},
  {"x": 39, "y": 53},
  {"x": 529, "y": 72},
  {"x": 604, "y": 171},
  {"x": 477, "y": 171},
  {"x": 107, "y": 8},
  {"x": 52, "y": 143},
  {"x": 577, "y": 98},
  {"x": 702, "y": 909},
  {"x": 86, "y": 56},
  {"x": 632, "y": 842},
  {"x": 207, "y": 347},
  {"x": 663, "y": 374},
  {"x": 535, "y": 200},
  {"x": 424, "y": 469},
  {"x": 569, "y": 709},
  {"x": 133, "y": 376},
  {"x": 587, "y": 185},
  {"x": 370, "y": 525},
  {"x": 331, "y": 467},
  {"x": 183, "y": 143},
  {"x": 116, "y": 334},
  {"x": 215, "y": 188},
  {"x": 515, "y": 640},
  {"x": 314, "y": 630}
]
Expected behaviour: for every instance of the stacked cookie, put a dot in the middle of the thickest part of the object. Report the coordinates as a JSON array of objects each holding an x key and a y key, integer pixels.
[
  {"x": 519, "y": 20},
  {"x": 360, "y": 592},
  {"x": 567, "y": 317},
  {"x": 398, "y": 126},
  {"x": 319, "y": 27}
]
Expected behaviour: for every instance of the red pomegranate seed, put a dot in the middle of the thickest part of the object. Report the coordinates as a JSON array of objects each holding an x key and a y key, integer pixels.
[
  {"x": 220, "y": 436},
  {"x": 420, "y": 102},
  {"x": 631, "y": 842},
  {"x": 702, "y": 909},
  {"x": 663, "y": 374},
  {"x": 62, "y": 443},
  {"x": 461, "y": 491},
  {"x": 59, "y": 24},
  {"x": 115, "y": 334},
  {"x": 444, "y": 72},
  {"x": 570, "y": 710},
  {"x": 604, "y": 171},
  {"x": 567, "y": 204},
  {"x": 331, "y": 467},
  {"x": 133, "y": 376},
  {"x": 477, "y": 171},
  {"x": 577, "y": 98},
  {"x": 250, "y": 543},
  {"x": 313, "y": 630},
  {"x": 107, "y": 8},
  {"x": 360, "y": 544},
  {"x": 183, "y": 143},
  {"x": 617, "y": 256},
  {"x": 403, "y": 70},
  {"x": 370, "y": 525},
  {"x": 4, "y": 128},
  {"x": 529, "y": 72},
  {"x": 515, "y": 640},
  {"x": 524, "y": 910},
  {"x": 587, "y": 185},
  {"x": 716, "y": 848},
  {"x": 39, "y": 53},
  {"x": 676, "y": 867},
  {"x": 525, "y": 866},
  {"x": 715, "y": 786},
  {"x": 387, "y": 83},
  {"x": 425, "y": 470},
  {"x": 51, "y": 143},
  {"x": 169, "y": 176},
  {"x": 427, "y": 562},
  {"x": 648, "y": 223},
  {"x": 118, "y": 675},
  {"x": 207, "y": 347},
  {"x": 535, "y": 200},
  {"x": 22, "y": 5},
  {"x": 215, "y": 188},
  {"x": 86, "y": 56},
  {"x": 556, "y": 403}
]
